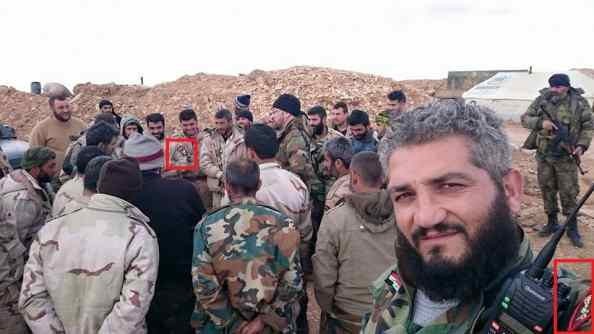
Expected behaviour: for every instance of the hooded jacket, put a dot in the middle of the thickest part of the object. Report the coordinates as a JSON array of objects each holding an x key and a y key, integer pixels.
[
  {"x": 126, "y": 120},
  {"x": 357, "y": 234}
]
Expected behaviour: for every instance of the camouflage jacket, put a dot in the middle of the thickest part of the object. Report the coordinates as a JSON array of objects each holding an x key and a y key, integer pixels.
[
  {"x": 294, "y": 152},
  {"x": 339, "y": 189},
  {"x": 24, "y": 208},
  {"x": 72, "y": 154},
  {"x": 246, "y": 264},
  {"x": 393, "y": 303},
  {"x": 70, "y": 191},
  {"x": 216, "y": 153},
  {"x": 182, "y": 154},
  {"x": 5, "y": 166},
  {"x": 73, "y": 283},
  {"x": 573, "y": 111},
  {"x": 317, "y": 155}
]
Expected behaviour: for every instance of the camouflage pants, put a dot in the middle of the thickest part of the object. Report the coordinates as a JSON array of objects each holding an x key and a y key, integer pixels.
[
  {"x": 558, "y": 176},
  {"x": 11, "y": 321},
  {"x": 171, "y": 309},
  {"x": 349, "y": 325}
]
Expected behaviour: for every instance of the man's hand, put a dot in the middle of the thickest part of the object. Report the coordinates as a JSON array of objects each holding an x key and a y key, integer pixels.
[
  {"x": 255, "y": 326},
  {"x": 579, "y": 150},
  {"x": 548, "y": 125}
]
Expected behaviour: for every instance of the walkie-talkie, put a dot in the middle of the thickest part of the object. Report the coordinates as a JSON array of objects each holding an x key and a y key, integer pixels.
[{"x": 525, "y": 303}]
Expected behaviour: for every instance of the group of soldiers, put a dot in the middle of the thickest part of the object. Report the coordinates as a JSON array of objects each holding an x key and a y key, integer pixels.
[{"x": 251, "y": 212}]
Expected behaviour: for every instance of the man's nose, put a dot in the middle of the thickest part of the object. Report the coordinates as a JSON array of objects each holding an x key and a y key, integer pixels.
[{"x": 429, "y": 211}]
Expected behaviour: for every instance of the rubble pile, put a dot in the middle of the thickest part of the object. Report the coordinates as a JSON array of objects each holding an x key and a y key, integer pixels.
[{"x": 205, "y": 92}]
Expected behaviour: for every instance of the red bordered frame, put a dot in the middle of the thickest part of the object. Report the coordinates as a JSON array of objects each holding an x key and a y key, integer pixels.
[
  {"x": 556, "y": 263},
  {"x": 169, "y": 166}
]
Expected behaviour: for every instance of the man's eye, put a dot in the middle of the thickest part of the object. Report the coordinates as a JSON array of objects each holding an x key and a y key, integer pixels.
[
  {"x": 403, "y": 197},
  {"x": 452, "y": 186}
]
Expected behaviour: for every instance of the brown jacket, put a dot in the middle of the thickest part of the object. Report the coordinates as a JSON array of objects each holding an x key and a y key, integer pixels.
[
  {"x": 56, "y": 135},
  {"x": 358, "y": 234}
]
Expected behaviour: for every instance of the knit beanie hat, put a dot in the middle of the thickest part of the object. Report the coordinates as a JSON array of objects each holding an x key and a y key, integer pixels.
[
  {"x": 245, "y": 114},
  {"x": 559, "y": 79},
  {"x": 147, "y": 150},
  {"x": 120, "y": 178},
  {"x": 242, "y": 102},
  {"x": 36, "y": 157},
  {"x": 288, "y": 103}
]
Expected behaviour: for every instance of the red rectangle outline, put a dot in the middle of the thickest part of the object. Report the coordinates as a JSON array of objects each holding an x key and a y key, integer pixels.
[
  {"x": 171, "y": 167},
  {"x": 555, "y": 265}
]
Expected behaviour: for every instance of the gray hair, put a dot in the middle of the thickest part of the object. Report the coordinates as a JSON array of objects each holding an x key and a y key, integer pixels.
[
  {"x": 490, "y": 149},
  {"x": 340, "y": 148}
]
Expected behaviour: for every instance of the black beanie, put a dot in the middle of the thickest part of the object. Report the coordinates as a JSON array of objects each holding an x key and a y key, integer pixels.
[
  {"x": 559, "y": 79},
  {"x": 288, "y": 103},
  {"x": 120, "y": 178},
  {"x": 105, "y": 103},
  {"x": 245, "y": 114}
]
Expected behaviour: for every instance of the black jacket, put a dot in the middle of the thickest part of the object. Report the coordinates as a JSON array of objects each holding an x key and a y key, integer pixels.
[{"x": 174, "y": 208}]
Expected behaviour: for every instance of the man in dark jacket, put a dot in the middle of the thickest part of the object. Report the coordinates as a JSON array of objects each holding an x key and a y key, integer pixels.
[
  {"x": 362, "y": 138},
  {"x": 174, "y": 207}
]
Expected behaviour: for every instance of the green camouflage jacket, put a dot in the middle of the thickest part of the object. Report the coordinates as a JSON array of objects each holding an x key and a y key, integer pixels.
[
  {"x": 295, "y": 152},
  {"x": 392, "y": 312},
  {"x": 92, "y": 270},
  {"x": 246, "y": 264},
  {"x": 317, "y": 155},
  {"x": 572, "y": 111}
]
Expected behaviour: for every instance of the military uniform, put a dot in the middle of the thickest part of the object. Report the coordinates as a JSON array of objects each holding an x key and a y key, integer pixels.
[
  {"x": 215, "y": 154},
  {"x": 24, "y": 208},
  {"x": 356, "y": 234},
  {"x": 5, "y": 166},
  {"x": 183, "y": 154},
  {"x": 69, "y": 191},
  {"x": 339, "y": 189},
  {"x": 393, "y": 305},
  {"x": 556, "y": 168},
  {"x": 294, "y": 152},
  {"x": 73, "y": 283},
  {"x": 246, "y": 264}
]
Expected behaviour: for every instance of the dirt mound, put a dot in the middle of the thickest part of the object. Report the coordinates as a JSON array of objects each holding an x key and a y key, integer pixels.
[{"x": 204, "y": 92}]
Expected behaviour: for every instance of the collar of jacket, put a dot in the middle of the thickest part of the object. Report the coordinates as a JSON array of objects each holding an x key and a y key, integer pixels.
[
  {"x": 27, "y": 181},
  {"x": 369, "y": 138},
  {"x": 247, "y": 201},
  {"x": 375, "y": 209},
  {"x": 292, "y": 124},
  {"x": 31, "y": 179},
  {"x": 466, "y": 315},
  {"x": 108, "y": 203},
  {"x": 268, "y": 165}
]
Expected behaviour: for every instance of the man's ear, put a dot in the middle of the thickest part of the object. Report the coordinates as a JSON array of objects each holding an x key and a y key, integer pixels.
[
  {"x": 513, "y": 187},
  {"x": 338, "y": 164}
]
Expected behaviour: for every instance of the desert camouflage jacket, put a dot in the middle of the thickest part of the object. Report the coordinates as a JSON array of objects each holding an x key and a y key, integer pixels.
[
  {"x": 24, "y": 207},
  {"x": 91, "y": 271},
  {"x": 216, "y": 153},
  {"x": 339, "y": 189},
  {"x": 182, "y": 154},
  {"x": 70, "y": 191},
  {"x": 246, "y": 264}
]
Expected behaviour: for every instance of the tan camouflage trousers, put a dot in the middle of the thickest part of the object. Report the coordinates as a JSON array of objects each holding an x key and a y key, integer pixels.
[
  {"x": 11, "y": 321},
  {"x": 558, "y": 176}
]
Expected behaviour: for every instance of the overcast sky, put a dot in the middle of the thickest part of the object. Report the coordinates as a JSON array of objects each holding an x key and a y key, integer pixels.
[{"x": 118, "y": 41}]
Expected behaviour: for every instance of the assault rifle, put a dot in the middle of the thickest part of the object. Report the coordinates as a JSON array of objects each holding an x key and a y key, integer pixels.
[{"x": 563, "y": 140}]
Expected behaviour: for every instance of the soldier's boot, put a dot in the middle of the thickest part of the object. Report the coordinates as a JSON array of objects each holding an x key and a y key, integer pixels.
[
  {"x": 574, "y": 234},
  {"x": 551, "y": 227}
]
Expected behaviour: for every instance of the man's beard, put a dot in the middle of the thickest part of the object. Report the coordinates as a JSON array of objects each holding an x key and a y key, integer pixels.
[
  {"x": 61, "y": 117},
  {"x": 318, "y": 129},
  {"x": 497, "y": 242},
  {"x": 160, "y": 135},
  {"x": 361, "y": 136}
]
